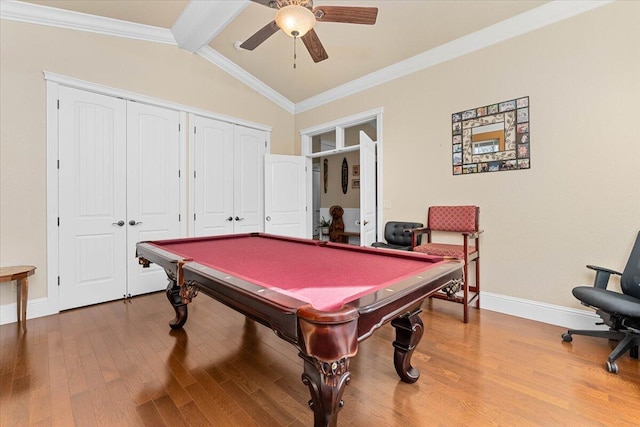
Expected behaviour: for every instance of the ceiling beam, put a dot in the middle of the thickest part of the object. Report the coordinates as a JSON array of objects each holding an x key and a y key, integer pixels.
[{"x": 201, "y": 21}]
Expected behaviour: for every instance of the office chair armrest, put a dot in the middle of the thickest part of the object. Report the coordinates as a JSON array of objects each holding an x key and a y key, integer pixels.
[{"x": 602, "y": 276}]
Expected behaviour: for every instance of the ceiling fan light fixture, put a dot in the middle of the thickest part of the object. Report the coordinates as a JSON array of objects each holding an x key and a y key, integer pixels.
[{"x": 295, "y": 20}]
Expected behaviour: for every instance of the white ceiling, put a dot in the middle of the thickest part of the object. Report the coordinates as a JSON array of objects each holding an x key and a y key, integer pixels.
[{"x": 404, "y": 29}]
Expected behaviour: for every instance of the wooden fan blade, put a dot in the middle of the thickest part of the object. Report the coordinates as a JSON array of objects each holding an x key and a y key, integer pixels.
[
  {"x": 315, "y": 48},
  {"x": 261, "y": 35},
  {"x": 267, "y": 3},
  {"x": 346, "y": 14}
]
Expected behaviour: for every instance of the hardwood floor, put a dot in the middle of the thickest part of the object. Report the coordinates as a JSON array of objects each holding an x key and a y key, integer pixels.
[{"x": 119, "y": 364}]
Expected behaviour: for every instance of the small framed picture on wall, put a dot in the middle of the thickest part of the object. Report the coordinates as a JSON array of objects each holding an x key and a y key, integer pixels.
[
  {"x": 355, "y": 183},
  {"x": 356, "y": 170}
]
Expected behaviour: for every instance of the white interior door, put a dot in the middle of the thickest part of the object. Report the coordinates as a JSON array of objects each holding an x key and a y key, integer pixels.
[
  {"x": 285, "y": 198},
  {"x": 92, "y": 198},
  {"x": 212, "y": 178},
  {"x": 367, "y": 190},
  {"x": 153, "y": 188},
  {"x": 250, "y": 146}
]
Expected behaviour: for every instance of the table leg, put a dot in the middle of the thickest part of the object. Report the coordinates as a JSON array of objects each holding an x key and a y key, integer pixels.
[
  {"x": 18, "y": 299},
  {"x": 326, "y": 383},
  {"x": 173, "y": 295},
  {"x": 24, "y": 293},
  {"x": 409, "y": 330}
]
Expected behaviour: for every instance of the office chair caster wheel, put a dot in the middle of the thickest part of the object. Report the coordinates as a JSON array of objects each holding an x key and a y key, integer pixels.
[
  {"x": 612, "y": 367},
  {"x": 567, "y": 337}
]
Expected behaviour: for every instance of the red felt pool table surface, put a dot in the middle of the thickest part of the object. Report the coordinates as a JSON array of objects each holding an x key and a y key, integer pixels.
[{"x": 324, "y": 275}]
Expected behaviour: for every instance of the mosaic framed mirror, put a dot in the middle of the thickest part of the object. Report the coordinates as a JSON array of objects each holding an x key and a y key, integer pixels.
[{"x": 492, "y": 138}]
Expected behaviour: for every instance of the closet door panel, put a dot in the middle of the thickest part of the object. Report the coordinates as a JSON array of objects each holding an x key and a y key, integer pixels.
[
  {"x": 213, "y": 177},
  {"x": 92, "y": 198},
  {"x": 249, "y": 151},
  {"x": 153, "y": 187}
]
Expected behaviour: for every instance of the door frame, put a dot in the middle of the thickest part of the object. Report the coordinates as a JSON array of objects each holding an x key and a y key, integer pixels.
[{"x": 338, "y": 126}]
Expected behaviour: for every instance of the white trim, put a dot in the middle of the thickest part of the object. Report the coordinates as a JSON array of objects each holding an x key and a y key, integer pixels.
[
  {"x": 245, "y": 77},
  {"x": 133, "y": 96},
  {"x": 59, "y": 18},
  {"x": 70, "y": 20},
  {"x": 184, "y": 170},
  {"x": 540, "y": 312},
  {"x": 534, "y": 19},
  {"x": 380, "y": 176},
  {"x": 38, "y": 307},
  {"x": 201, "y": 21},
  {"x": 52, "y": 196},
  {"x": 339, "y": 125},
  {"x": 192, "y": 166},
  {"x": 342, "y": 122}
]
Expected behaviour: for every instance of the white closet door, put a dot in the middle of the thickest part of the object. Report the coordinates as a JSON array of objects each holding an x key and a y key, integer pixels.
[
  {"x": 285, "y": 195},
  {"x": 153, "y": 188},
  {"x": 248, "y": 173},
  {"x": 367, "y": 190},
  {"x": 92, "y": 198},
  {"x": 212, "y": 178}
]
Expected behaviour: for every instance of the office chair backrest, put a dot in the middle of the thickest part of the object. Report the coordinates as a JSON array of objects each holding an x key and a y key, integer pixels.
[
  {"x": 630, "y": 280},
  {"x": 394, "y": 232},
  {"x": 453, "y": 218}
]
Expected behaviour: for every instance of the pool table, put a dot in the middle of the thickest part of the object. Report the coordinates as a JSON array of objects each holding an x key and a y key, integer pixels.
[{"x": 322, "y": 297}]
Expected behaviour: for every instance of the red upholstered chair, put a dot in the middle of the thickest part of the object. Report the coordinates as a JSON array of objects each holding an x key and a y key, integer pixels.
[{"x": 464, "y": 221}]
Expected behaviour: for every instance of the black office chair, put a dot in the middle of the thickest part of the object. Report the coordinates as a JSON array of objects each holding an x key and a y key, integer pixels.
[
  {"x": 621, "y": 312},
  {"x": 398, "y": 235}
]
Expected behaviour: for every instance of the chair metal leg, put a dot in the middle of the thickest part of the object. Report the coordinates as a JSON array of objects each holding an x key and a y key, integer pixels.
[
  {"x": 612, "y": 335},
  {"x": 626, "y": 344}
]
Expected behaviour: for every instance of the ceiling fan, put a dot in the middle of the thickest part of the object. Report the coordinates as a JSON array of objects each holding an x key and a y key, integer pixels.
[{"x": 297, "y": 18}]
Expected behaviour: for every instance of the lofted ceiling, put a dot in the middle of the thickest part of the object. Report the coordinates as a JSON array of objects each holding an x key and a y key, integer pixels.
[{"x": 404, "y": 28}]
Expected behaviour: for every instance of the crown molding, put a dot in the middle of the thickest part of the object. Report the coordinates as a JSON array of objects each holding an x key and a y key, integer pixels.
[
  {"x": 201, "y": 21},
  {"x": 534, "y": 19},
  {"x": 245, "y": 77},
  {"x": 59, "y": 18},
  {"x": 50, "y": 16}
]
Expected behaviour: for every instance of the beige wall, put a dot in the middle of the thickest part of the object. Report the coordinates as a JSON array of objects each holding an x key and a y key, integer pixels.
[
  {"x": 334, "y": 194},
  {"x": 150, "y": 69},
  {"x": 579, "y": 203}
]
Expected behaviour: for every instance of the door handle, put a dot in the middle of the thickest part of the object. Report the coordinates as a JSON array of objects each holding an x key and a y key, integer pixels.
[
  {"x": 119, "y": 223},
  {"x": 268, "y": 218},
  {"x": 358, "y": 222},
  {"x": 239, "y": 219},
  {"x": 229, "y": 219},
  {"x": 133, "y": 222},
  {"x": 365, "y": 222}
]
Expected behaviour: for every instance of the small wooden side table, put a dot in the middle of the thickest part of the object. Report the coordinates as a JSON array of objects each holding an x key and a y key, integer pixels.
[{"x": 20, "y": 274}]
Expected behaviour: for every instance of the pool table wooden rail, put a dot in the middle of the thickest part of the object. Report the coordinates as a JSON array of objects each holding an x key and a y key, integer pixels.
[{"x": 326, "y": 340}]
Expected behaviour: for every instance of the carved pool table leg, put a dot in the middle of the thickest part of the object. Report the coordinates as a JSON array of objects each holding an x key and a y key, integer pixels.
[
  {"x": 173, "y": 295},
  {"x": 326, "y": 383},
  {"x": 409, "y": 330}
]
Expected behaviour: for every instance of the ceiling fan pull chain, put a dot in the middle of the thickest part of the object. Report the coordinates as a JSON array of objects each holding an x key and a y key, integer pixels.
[{"x": 295, "y": 37}]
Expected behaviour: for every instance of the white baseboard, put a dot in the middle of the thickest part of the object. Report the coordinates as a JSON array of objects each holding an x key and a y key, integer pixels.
[
  {"x": 35, "y": 308},
  {"x": 528, "y": 309},
  {"x": 541, "y": 312}
]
